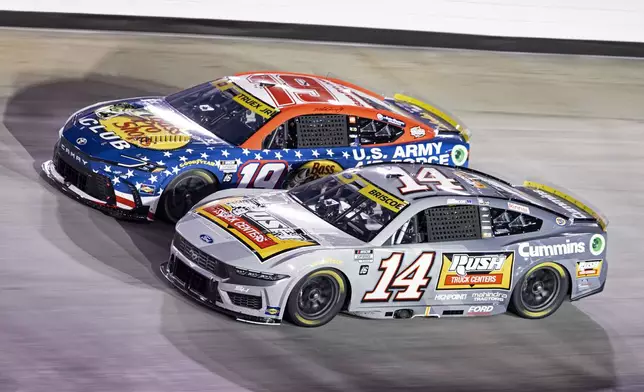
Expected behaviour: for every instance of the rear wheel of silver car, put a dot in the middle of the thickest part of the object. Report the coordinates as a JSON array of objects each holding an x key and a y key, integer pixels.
[
  {"x": 317, "y": 298},
  {"x": 540, "y": 291},
  {"x": 184, "y": 191}
]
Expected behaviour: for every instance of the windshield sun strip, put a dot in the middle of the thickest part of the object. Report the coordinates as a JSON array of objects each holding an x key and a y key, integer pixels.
[
  {"x": 247, "y": 100},
  {"x": 361, "y": 200},
  {"x": 368, "y": 191}
]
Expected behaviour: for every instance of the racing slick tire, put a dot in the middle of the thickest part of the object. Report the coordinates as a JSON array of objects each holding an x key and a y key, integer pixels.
[
  {"x": 317, "y": 298},
  {"x": 540, "y": 291},
  {"x": 184, "y": 191}
]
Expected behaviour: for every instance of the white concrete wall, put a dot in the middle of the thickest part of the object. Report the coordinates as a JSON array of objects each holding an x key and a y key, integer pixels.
[{"x": 616, "y": 20}]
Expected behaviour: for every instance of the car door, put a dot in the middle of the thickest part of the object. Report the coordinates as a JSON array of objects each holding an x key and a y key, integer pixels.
[
  {"x": 400, "y": 271},
  {"x": 410, "y": 268}
]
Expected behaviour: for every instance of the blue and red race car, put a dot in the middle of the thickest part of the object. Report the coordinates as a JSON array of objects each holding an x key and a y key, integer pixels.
[{"x": 141, "y": 157}]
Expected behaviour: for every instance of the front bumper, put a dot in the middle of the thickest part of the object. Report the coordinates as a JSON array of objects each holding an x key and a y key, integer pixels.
[
  {"x": 86, "y": 185},
  {"x": 219, "y": 293}
]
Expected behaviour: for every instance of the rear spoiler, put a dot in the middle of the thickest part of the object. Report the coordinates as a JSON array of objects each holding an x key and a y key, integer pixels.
[
  {"x": 462, "y": 130},
  {"x": 601, "y": 220}
]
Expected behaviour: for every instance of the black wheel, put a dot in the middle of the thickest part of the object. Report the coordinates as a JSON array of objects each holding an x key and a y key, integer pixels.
[
  {"x": 317, "y": 298},
  {"x": 183, "y": 192},
  {"x": 540, "y": 291}
]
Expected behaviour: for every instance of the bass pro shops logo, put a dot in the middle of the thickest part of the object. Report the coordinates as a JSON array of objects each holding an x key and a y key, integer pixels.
[{"x": 462, "y": 271}]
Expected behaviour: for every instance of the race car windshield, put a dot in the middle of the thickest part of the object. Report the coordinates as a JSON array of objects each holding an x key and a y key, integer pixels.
[
  {"x": 217, "y": 111},
  {"x": 341, "y": 204}
]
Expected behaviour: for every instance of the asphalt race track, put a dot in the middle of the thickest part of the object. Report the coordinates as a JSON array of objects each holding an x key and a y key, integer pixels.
[{"x": 84, "y": 308}]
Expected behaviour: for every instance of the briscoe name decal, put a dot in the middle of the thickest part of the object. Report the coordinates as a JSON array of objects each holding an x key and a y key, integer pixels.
[
  {"x": 526, "y": 250},
  {"x": 476, "y": 271}
]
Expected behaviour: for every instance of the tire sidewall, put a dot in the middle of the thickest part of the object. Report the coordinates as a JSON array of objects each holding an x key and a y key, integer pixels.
[
  {"x": 564, "y": 284},
  {"x": 204, "y": 174},
  {"x": 292, "y": 305}
]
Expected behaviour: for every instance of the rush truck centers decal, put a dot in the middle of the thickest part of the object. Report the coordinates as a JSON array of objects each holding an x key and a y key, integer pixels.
[
  {"x": 476, "y": 270},
  {"x": 264, "y": 234}
]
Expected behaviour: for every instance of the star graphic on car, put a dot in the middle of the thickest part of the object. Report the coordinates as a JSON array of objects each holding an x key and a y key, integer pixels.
[
  {"x": 153, "y": 179},
  {"x": 329, "y": 153},
  {"x": 167, "y": 154},
  {"x": 278, "y": 155},
  {"x": 298, "y": 154},
  {"x": 315, "y": 153},
  {"x": 225, "y": 153},
  {"x": 258, "y": 157},
  {"x": 204, "y": 155},
  {"x": 345, "y": 154},
  {"x": 175, "y": 170},
  {"x": 183, "y": 159}
]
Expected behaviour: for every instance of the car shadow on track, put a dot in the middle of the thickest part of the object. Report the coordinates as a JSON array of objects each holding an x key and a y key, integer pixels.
[{"x": 567, "y": 351}]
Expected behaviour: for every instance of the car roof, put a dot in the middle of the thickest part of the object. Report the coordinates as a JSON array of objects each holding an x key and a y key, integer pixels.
[
  {"x": 263, "y": 86},
  {"x": 441, "y": 180}
]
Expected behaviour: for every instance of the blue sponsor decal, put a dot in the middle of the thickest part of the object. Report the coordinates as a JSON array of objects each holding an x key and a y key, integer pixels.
[
  {"x": 206, "y": 238},
  {"x": 272, "y": 310},
  {"x": 147, "y": 189}
]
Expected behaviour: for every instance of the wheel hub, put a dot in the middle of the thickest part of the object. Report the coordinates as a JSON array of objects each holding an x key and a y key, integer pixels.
[
  {"x": 537, "y": 287},
  {"x": 314, "y": 294},
  {"x": 540, "y": 289}
]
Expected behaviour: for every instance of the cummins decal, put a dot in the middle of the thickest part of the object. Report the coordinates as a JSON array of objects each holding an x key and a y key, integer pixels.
[{"x": 527, "y": 250}]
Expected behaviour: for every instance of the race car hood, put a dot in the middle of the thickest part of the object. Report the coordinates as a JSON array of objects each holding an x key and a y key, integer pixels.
[
  {"x": 133, "y": 127},
  {"x": 257, "y": 232}
]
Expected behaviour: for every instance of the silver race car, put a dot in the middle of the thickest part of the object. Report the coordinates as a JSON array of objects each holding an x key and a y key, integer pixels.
[{"x": 389, "y": 241}]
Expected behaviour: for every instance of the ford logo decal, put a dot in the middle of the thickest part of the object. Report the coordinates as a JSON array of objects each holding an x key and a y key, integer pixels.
[{"x": 206, "y": 238}]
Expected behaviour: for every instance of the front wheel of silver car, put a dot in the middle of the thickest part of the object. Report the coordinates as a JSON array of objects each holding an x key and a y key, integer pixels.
[
  {"x": 184, "y": 191},
  {"x": 540, "y": 291},
  {"x": 317, "y": 298}
]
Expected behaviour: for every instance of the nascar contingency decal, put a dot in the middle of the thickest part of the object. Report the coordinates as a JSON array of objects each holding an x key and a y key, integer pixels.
[
  {"x": 589, "y": 269},
  {"x": 476, "y": 270},
  {"x": 250, "y": 223}
]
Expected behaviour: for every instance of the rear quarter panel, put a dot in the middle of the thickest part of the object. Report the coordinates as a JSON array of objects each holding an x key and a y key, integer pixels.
[{"x": 563, "y": 243}]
